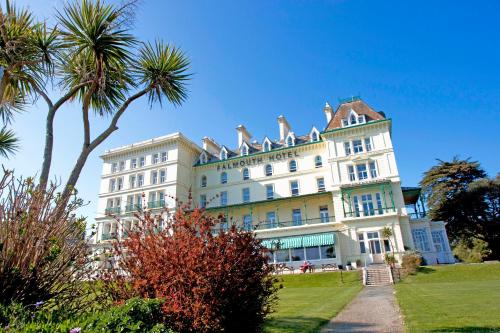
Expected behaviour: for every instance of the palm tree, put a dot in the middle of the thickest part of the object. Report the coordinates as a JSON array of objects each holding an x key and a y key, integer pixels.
[
  {"x": 387, "y": 234},
  {"x": 8, "y": 142}
]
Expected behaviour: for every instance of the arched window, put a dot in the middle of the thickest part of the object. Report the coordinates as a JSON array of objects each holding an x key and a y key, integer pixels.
[
  {"x": 244, "y": 150},
  {"x": 203, "y": 158},
  {"x": 289, "y": 141},
  {"x": 203, "y": 181},
  {"x": 246, "y": 174},
  {"x": 318, "y": 162},
  {"x": 223, "y": 154},
  {"x": 292, "y": 166},
  {"x": 267, "y": 146},
  {"x": 268, "y": 170},
  {"x": 314, "y": 136},
  {"x": 223, "y": 178},
  {"x": 353, "y": 119}
]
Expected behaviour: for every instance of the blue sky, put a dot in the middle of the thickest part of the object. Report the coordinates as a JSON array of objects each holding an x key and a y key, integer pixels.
[{"x": 433, "y": 67}]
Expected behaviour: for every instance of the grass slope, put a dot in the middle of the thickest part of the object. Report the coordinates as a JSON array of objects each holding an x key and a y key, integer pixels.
[
  {"x": 308, "y": 301},
  {"x": 455, "y": 298}
]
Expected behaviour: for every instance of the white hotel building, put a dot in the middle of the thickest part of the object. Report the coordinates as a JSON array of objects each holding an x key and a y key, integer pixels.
[{"x": 323, "y": 196}]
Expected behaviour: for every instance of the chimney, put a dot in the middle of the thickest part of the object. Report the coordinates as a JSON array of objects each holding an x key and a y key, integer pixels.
[
  {"x": 328, "y": 112},
  {"x": 284, "y": 127},
  {"x": 210, "y": 145},
  {"x": 243, "y": 135}
]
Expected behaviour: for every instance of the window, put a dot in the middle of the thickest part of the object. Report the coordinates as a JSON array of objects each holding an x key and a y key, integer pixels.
[
  {"x": 438, "y": 240},
  {"x": 244, "y": 150},
  {"x": 357, "y": 146},
  {"x": 355, "y": 202},
  {"x": 367, "y": 202},
  {"x": 156, "y": 158},
  {"x": 314, "y": 136},
  {"x": 120, "y": 183},
  {"x": 294, "y": 188},
  {"x": 223, "y": 198},
  {"x": 223, "y": 178},
  {"x": 373, "y": 170},
  {"x": 131, "y": 181},
  {"x": 164, "y": 156},
  {"x": 321, "y": 184},
  {"x": 112, "y": 185},
  {"x": 203, "y": 181},
  {"x": 289, "y": 141},
  {"x": 345, "y": 122},
  {"x": 282, "y": 255},
  {"x": 361, "y": 119},
  {"x": 154, "y": 177},
  {"x": 362, "y": 172},
  {"x": 296, "y": 217},
  {"x": 347, "y": 148},
  {"x": 387, "y": 245},
  {"x": 247, "y": 222},
  {"x": 312, "y": 253},
  {"x": 268, "y": 170},
  {"x": 269, "y": 191},
  {"x": 328, "y": 252},
  {"x": 368, "y": 144},
  {"x": 297, "y": 254},
  {"x": 114, "y": 167},
  {"x": 140, "y": 180},
  {"x": 122, "y": 165},
  {"x": 420, "y": 240},
  {"x": 350, "y": 171},
  {"x": 318, "y": 162},
  {"x": 323, "y": 214},
  {"x": 223, "y": 154},
  {"x": 203, "y": 201},
  {"x": 292, "y": 166},
  {"x": 163, "y": 176},
  {"x": 246, "y": 174},
  {"x": 133, "y": 163},
  {"x": 271, "y": 219},
  {"x": 362, "y": 246},
  {"x": 203, "y": 158},
  {"x": 267, "y": 146},
  {"x": 353, "y": 119},
  {"x": 246, "y": 194},
  {"x": 380, "y": 209},
  {"x": 142, "y": 161},
  {"x": 138, "y": 201}
]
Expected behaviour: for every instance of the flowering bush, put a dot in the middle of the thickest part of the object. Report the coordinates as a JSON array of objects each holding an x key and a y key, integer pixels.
[
  {"x": 209, "y": 283},
  {"x": 411, "y": 261}
]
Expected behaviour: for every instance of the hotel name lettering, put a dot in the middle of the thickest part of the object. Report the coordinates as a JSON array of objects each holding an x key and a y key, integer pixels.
[{"x": 245, "y": 162}]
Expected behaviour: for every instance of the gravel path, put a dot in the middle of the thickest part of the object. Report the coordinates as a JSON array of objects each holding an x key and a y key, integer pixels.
[{"x": 374, "y": 310}]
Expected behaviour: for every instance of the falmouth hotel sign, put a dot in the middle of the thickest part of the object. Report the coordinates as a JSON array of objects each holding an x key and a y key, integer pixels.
[{"x": 249, "y": 161}]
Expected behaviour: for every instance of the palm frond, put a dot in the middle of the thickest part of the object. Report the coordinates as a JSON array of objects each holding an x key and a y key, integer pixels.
[
  {"x": 9, "y": 143},
  {"x": 9, "y": 109},
  {"x": 164, "y": 68}
]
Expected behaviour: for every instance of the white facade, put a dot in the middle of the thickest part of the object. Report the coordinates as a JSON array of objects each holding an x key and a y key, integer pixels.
[{"x": 322, "y": 197}]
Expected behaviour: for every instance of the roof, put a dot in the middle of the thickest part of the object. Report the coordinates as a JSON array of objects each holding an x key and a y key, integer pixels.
[{"x": 359, "y": 107}]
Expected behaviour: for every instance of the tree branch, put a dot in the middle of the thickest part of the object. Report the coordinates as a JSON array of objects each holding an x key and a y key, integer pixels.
[{"x": 70, "y": 94}]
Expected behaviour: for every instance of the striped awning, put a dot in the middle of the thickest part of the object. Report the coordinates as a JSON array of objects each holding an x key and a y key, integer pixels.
[{"x": 327, "y": 238}]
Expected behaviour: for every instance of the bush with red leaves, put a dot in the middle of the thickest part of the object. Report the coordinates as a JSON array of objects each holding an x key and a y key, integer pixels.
[{"x": 209, "y": 283}]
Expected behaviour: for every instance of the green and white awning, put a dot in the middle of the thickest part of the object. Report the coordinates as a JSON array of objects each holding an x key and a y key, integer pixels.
[{"x": 327, "y": 238}]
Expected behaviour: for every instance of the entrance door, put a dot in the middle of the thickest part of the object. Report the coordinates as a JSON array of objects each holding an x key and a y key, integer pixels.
[{"x": 375, "y": 247}]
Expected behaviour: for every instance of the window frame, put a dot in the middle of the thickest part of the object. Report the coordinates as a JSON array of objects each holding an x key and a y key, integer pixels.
[
  {"x": 266, "y": 173},
  {"x": 318, "y": 181},
  {"x": 292, "y": 190},
  {"x": 223, "y": 177},
  {"x": 245, "y": 194},
  {"x": 269, "y": 186},
  {"x": 246, "y": 174},
  {"x": 203, "y": 181},
  {"x": 292, "y": 166},
  {"x": 318, "y": 161}
]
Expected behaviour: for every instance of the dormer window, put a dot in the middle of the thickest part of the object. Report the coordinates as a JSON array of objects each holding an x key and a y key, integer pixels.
[
  {"x": 314, "y": 135},
  {"x": 223, "y": 154},
  {"x": 266, "y": 146},
  {"x": 353, "y": 119},
  {"x": 203, "y": 158},
  {"x": 361, "y": 119},
  {"x": 290, "y": 140},
  {"x": 244, "y": 149}
]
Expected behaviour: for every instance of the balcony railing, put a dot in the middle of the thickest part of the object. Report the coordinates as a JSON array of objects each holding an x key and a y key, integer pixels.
[
  {"x": 132, "y": 207},
  {"x": 371, "y": 212},
  {"x": 285, "y": 224},
  {"x": 108, "y": 236},
  {"x": 417, "y": 215},
  {"x": 112, "y": 210},
  {"x": 156, "y": 204}
]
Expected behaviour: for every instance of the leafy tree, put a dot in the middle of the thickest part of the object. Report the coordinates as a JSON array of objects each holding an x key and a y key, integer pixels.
[
  {"x": 459, "y": 193},
  {"x": 209, "y": 283},
  {"x": 91, "y": 57}
]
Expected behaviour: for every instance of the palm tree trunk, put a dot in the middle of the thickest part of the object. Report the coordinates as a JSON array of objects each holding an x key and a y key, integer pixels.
[
  {"x": 75, "y": 173},
  {"x": 47, "y": 152}
]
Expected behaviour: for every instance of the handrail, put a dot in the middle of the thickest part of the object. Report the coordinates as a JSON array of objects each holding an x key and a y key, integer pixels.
[
  {"x": 417, "y": 215},
  {"x": 284, "y": 224},
  {"x": 371, "y": 212}
]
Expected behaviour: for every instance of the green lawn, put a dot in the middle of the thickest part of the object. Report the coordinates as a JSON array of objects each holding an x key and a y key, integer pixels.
[
  {"x": 455, "y": 298},
  {"x": 308, "y": 301}
]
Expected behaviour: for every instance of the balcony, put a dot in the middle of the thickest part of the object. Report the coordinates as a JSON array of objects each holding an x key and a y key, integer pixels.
[
  {"x": 112, "y": 210},
  {"x": 156, "y": 204},
  {"x": 417, "y": 215},
  {"x": 371, "y": 212},
  {"x": 108, "y": 236},
  {"x": 264, "y": 225},
  {"x": 133, "y": 207}
]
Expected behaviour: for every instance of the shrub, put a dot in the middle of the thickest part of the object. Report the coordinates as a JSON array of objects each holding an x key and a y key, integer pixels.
[
  {"x": 43, "y": 253},
  {"x": 390, "y": 259},
  {"x": 210, "y": 283},
  {"x": 411, "y": 261},
  {"x": 471, "y": 251},
  {"x": 136, "y": 315}
]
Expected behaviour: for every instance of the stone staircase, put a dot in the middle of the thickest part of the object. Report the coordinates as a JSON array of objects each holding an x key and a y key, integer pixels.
[{"x": 377, "y": 275}]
